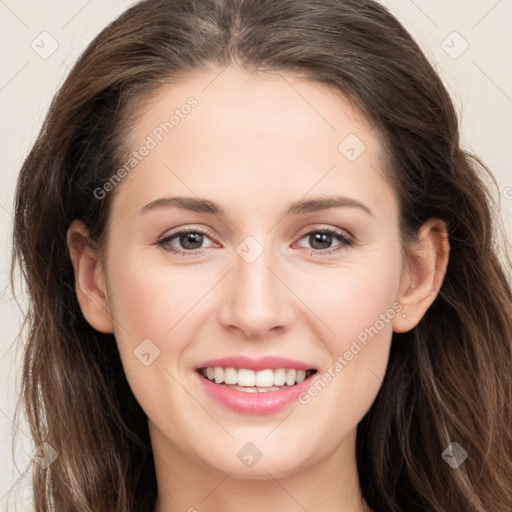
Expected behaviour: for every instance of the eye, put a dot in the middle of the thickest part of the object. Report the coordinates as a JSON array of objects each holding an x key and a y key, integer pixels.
[
  {"x": 321, "y": 240},
  {"x": 190, "y": 240}
]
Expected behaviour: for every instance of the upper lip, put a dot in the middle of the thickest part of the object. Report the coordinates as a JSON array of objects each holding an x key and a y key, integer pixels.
[{"x": 261, "y": 363}]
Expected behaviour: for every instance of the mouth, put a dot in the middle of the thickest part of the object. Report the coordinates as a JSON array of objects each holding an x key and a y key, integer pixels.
[
  {"x": 260, "y": 386},
  {"x": 256, "y": 381}
]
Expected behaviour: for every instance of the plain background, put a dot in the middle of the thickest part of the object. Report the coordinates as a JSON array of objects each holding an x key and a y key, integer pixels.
[{"x": 469, "y": 43}]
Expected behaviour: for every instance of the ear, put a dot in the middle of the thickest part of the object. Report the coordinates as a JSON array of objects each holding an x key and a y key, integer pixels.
[
  {"x": 423, "y": 274},
  {"x": 90, "y": 285}
]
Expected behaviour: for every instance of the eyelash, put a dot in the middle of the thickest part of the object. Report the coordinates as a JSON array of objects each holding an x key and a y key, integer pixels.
[{"x": 340, "y": 236}]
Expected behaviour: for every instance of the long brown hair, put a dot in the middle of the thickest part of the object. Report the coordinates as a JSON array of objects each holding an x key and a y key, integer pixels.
[{"x": 447, "y": 380}]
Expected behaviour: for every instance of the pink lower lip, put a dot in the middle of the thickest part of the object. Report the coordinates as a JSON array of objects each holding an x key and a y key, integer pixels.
[{"x": 254, "y": 403}]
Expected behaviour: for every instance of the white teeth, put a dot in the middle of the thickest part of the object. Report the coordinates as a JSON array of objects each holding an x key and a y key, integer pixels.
[
  {"x": 255, "y": 389},
  {"x": 247, "y": 390},
  {"x": 264, "y": 378},
  {"x": 290, "y": 377},
  {"x": 255, "y": 381},
  {"x": 230, "y": 376},
  {"x": 218, "y": 374},
  {"x": 279, "y": 377},
  {"x": 246, "y": 377}
]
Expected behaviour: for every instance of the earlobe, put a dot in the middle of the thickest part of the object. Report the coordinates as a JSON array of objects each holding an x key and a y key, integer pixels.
[
  {"x": 424, "y": 274},
  {"x": 89, "y": 278}
]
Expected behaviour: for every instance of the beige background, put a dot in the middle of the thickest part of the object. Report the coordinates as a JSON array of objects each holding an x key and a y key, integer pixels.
[{"x": 41, "y": 39}]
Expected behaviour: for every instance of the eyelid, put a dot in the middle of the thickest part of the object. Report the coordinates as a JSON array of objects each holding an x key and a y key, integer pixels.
[
  {"x": 348, "y": 238},
  {"x": 326, "y": 227},
  {"x": 187, "y": 227}
]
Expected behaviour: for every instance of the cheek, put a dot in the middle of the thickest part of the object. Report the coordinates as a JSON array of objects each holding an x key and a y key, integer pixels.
[
  {"x": 358, "y": 295},
  {"x": 150, "y": 306},
  {"x": 358, "y": 307},
  {"x": 151, "y": 300}
]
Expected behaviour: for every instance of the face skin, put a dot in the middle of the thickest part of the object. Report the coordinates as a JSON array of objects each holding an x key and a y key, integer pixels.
[{"x": 255, "y": 144}]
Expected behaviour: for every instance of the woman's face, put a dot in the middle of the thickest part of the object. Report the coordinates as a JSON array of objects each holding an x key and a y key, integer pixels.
[{"x": 263, "y": 283}]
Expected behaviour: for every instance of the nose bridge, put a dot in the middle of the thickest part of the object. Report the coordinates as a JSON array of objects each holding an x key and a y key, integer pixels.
[{"x": 256, "y": 301}]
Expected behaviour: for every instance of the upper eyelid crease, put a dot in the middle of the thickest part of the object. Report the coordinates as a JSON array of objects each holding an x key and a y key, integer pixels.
[{"x": 302, "y": 206}]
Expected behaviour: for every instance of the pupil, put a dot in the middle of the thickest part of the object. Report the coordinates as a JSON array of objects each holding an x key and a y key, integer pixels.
[
  {"x": 191, "y": 238},
  {"x": 322, "y": 238}
]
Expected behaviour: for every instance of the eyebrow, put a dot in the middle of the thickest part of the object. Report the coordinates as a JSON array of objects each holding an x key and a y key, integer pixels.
[{"x": 196, "y": 204}]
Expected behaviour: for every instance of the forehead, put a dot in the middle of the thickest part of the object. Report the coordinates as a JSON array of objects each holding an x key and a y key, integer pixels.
[{"x": 231, "y": 133}]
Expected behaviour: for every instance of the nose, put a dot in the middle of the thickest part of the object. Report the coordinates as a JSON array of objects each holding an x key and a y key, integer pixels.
[{"x": 257, "y": 300}]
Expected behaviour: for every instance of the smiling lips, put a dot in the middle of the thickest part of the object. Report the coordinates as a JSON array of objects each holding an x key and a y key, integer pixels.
[{"x": 250, "y": 386}]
